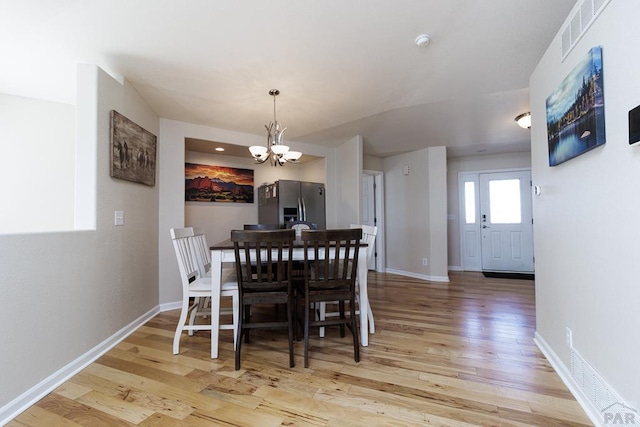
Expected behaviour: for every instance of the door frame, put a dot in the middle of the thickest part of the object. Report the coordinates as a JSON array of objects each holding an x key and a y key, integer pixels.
[
  {"x": 466, "y": 264},
  {"x": 379, "y": 215}
]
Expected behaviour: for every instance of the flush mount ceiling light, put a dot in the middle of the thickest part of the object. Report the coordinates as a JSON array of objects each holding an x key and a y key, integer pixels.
[
  {"x": 275, "y": 149},
  {"x": 524, "y": 120},
  {"x": 423, "y": 40}
]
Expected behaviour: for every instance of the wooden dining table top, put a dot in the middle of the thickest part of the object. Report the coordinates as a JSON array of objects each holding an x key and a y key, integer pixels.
[{"x": 297, "y": 243}]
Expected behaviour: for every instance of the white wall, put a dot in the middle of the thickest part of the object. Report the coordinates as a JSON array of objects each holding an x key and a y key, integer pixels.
[
  {"x": 37, "y": 142},
  {"x": 455, "y": 165},
  {"x": 63, "y": 293},
  {"x": 349, "y": 177},
  {"x": 409, "y": 207},
  {"x": 437, "y": 168},
  {"x": 372, "y": 163},
  {"x": 586, "y": 219},
  {"x": 172, "y": 204}
]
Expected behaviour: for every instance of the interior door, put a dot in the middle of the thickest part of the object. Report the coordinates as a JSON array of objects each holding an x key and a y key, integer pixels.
[
  {"x": 368, "y": 209},
  {"x": 506, "y": 221}
]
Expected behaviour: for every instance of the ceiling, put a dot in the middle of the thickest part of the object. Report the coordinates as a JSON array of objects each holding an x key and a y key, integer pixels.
[{"x": 343, "y": 67}]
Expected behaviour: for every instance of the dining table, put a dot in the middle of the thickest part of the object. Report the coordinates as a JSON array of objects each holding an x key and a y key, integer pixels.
[{"x": 223, "y": 252}]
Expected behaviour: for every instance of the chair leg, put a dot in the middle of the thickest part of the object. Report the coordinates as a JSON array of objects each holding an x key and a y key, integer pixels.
[
  {"x": 290, "y": 320},
  {"x": 342, "y": 317},
  {"x": 238, "y": 340},
  {"x": 181, "y": 323},
  {"x": 305, "y": 307},
  {"x": 247, "y": 319},
  {"x": 354, "y": 331},
  {"x": 236, "y": 316},
  {"x": 196, "y": 307}
]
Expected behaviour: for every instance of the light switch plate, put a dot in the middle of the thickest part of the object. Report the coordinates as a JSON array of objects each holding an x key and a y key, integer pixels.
[{"x": 119, "y": 218}]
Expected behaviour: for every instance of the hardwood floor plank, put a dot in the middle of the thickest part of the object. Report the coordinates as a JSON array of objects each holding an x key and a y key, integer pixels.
[
  {"x": 116, "y": 407},
  {"x": 151, "y": 401},
  {"x": 444, "y": 354},
  {"x": 37, "y": 417},
  {"x": 80, "y": 413}
]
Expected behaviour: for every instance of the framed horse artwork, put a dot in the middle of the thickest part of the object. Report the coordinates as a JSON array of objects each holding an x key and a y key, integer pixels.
[{"x": 133, "y": 151}]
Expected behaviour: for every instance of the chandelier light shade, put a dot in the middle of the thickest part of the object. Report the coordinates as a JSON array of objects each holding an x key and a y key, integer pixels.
[
  {"x": 275, "y": 150},
  {"x": 524, "y": 120}
]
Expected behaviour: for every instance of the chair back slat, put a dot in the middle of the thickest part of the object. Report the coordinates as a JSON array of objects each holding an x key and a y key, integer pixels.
[{"x": 263, "y": 259}]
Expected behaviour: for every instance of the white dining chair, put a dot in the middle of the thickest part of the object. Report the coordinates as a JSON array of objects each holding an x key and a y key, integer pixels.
[
  {"x": 203, "y": 257},
  {"x": 203, "y": 253},
  {"x": 194, "y": 285},
  {"x": 369, "y": 233}
]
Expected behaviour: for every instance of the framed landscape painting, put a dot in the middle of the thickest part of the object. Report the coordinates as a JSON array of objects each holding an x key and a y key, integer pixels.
[
  {"x": 133, "y": 151},
  {"x": 575, "y": 111},
  {"x": 206, "y": 183}
]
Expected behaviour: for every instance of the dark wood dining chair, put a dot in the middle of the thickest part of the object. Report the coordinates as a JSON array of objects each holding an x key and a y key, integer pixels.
[
  {"x": 263, "y": 264},
  {"x": 330, "y": 270}
]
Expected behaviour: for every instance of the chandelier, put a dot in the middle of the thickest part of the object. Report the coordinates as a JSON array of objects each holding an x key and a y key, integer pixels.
[{"x": 275, "y": 149}]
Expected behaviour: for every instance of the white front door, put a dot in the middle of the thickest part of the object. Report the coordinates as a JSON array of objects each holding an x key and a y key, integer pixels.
[{"x": 506, "y": 223}]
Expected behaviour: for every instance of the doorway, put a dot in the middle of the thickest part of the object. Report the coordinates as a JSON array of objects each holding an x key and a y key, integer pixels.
[
  {"x": 496, "y": 223},
  {"x": 373, "y": 213}
]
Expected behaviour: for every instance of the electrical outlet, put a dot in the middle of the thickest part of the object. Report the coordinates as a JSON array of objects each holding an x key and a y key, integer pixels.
[
  {"x": 569, "y": 338},
  {"x": 424, "y": 261}
]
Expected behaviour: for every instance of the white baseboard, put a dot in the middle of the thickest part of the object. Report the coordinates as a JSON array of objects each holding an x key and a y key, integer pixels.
[
  {"x": 176, "y": 305},
  {"x": 46, "y": 386},
  {"x": 419, "y": 276},
  {"x": 565, "y": 375},
  {"x": 455, "y": 268}
]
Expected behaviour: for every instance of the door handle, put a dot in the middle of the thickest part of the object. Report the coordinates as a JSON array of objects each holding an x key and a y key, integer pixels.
[{"x": 485, "y": 226}]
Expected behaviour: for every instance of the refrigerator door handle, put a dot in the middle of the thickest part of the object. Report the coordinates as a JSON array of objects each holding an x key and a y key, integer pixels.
[
  {"x": 304, "y": 210},
  {"x": 300, "y": 213}
]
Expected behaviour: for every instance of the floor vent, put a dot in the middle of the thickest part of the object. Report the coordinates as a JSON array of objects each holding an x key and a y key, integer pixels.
[
  {"x": 599, "y": 393},
  {"x": 586, "y": 14}
]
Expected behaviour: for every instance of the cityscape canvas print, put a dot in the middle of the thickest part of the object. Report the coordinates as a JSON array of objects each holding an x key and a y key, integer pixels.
[
  {"x": 133, "y": 151},
  {"x": 207, "y": 183},
  {"x": 575, "y": 111}
]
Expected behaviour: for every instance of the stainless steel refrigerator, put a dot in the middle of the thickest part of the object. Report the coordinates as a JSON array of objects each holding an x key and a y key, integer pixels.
[{"x": 285, "y": 201}]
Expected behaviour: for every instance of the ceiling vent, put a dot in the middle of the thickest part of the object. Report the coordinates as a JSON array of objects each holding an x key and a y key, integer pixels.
[{"x": 586, "y": 14}]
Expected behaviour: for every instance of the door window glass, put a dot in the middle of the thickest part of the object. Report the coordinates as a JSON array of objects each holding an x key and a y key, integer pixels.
[
  {"x": 470, "y": 202},
  {"x": 504, "y": 201}
]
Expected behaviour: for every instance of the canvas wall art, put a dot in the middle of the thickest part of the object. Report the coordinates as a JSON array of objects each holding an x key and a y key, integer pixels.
[
  {"x": 133, "y": 151},
  {"x": 207, "y": 183},
  {"x": 575, "y": 111}
]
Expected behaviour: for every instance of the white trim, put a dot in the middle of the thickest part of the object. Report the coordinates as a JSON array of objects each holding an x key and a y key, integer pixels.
[
  {"x": 378, "y": 177},
  {"x": 170, "y": 306},
  {"x": 46, "y": 386},
  {"x": 565, "y": 375},
  {"x": 418, "y": 276},
  {"x": 455, "y": 268}
]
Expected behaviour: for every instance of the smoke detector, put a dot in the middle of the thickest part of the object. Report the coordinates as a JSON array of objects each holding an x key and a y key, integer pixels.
[{"x": 423, "y": 40}]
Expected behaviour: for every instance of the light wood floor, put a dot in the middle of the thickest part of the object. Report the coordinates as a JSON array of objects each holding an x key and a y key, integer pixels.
[{"x": 443, "y": 354}]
